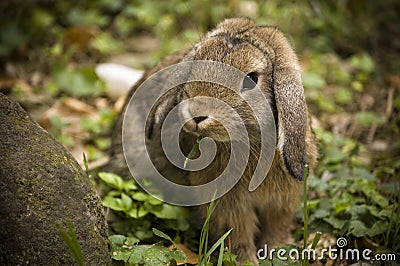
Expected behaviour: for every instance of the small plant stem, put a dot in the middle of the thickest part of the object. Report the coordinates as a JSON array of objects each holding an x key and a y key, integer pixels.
[{"x": 193, "y": 152}]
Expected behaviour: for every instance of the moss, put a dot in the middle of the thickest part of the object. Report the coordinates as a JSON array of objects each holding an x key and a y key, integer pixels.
[{"x": 41, "y": 186}]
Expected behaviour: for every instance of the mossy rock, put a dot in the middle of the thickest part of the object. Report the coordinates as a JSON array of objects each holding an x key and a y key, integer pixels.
[{"x": 42, "y": 188}]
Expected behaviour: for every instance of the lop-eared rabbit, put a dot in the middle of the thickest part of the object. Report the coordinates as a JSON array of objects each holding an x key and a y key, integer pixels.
[{"x": 258, "y": 217}]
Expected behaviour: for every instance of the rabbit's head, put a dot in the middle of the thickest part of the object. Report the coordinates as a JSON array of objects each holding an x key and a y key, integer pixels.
[
  {"x": 267, "y": 60},
  {"x": 210, "y": 106}
]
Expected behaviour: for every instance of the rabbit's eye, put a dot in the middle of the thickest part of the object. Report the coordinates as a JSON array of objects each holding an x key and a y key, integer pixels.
[{"x": 250, "y": 81}]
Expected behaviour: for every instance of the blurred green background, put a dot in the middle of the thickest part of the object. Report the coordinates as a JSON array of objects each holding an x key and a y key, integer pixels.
[
  {"x": 346, "y": 27},
  {"x": 350, "y": 55}
]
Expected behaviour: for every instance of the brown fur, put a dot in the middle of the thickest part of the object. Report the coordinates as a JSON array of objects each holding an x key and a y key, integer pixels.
[{"x": 264, "y": 215}]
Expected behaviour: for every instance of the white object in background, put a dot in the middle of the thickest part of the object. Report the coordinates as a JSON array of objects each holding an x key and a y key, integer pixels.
[{"x": 118, "y": 78}]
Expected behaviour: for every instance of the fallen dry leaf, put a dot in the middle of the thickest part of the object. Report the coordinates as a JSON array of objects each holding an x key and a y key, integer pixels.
[
  {"x": 191, "y": 257},
  {"x": 79, "y": 106},
  {"x": 7, "y": 83},
  {"x": 80, "y": 36}
]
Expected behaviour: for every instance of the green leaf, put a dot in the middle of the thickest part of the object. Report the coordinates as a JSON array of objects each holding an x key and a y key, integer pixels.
[
  {"x": 379, "y": 199},
  {"x": 362, "y": 62},
  {"x": 335, "y": 222},
  {"x": 126, "y": 202},
  {"x": 91, "y": 125},
  {"x": 229, "y": 259},
  {"x": 343, "y": 96},
  {"x": 358, "y": 228},
  {"x": 313, "y": 80},
  {"x": 278, "y": 262},
  {"x": 116, "y": 248},
  {"x": 358, "y": 211},
  {"x": 327, "y": 104},
  {"x": 363, "y": 173},
  {"x": 93, "y": 152},
  {"x": 78, "y": 16},
  {"x": 129, "y": 185},
  {"x": 117, "y": 239},
  {"x": 312, "y": 204},
  {"x": 316, "y": 185},
  {"x": 180, "y": 224},
  {"x": 144, "y": 233},
  {"x": 42, "y": 18},
  {"x": 265, "y": 263},
  {"x": 137, "y": 212},
  {"x": 378, "y": 228},
  {"x": 157, "y": 254},
  {"x": 137, "y": 255},
  {"x": 121, "y": 255},
  {"x": 140, "y": 196},
  {"x": 112, "y": 180},
  {"x": 341, "y": 204},
  {"x": 374, "y": 210},
  {"x": 357, "y": 86},
  {"x": 154, "y": 201},
  {"x": 366, "y": 118},
  {"x": 114, "y": 193},
  {"x": 106, "y": 43},
  {"x": 325, "y": 204},
  {"x": 112, "y": 203},
  {"x": 334, "y": 155},
  {"x": 78, "y": 82},
  {"x": 178, "y": 255},
  {"x": 122, "y": 248},
  {"x": 163, "y": 235},
  {"x": 321, "y": 213},
  {"x": 131, "y": 241},
  {"x": 387, "y": 213},
  {"x": 16, "y": 36},
  {"x": 169, "y": 212}
]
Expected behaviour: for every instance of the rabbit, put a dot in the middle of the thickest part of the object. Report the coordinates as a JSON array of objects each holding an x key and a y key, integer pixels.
[{"x": 262, "y": 216}]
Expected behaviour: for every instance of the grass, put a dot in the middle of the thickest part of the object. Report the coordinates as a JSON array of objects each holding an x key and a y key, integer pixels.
[
  {"x": 205, "y": 254},
  {"x": 328, "y": 207},
  {"x": 72, "y": 243},
  {"x": 305, "y": 207},
  {"x": 346, "y": 197}
]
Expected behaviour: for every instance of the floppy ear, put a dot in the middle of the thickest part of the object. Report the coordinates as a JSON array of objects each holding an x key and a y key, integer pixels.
[
  {"x": 289, "y": 98},
  {"x": 168, "y": 100},
  {"x": 158, "y": 114}
]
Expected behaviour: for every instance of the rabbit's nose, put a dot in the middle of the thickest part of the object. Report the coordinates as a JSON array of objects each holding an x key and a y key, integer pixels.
[{"x": 199, "y": 119}]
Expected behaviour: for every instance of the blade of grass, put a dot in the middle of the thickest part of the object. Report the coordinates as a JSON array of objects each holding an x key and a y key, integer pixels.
[
  {"x": 204, "y": 232},
  {"x": 387, "y": 237},
  {"x": 193, "y": 152},
  {"x": 316, "y": 240},
  {"x": 218, "y": 243},
  {"x": 305, "y": 213},
  {"x": 203, "y": 257},
  {"x": 356, "y": 246},
  {"x": 85, "y": 163},
  {"x": 72, "y": 243},
  {"x": 221, "y": 254}
]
